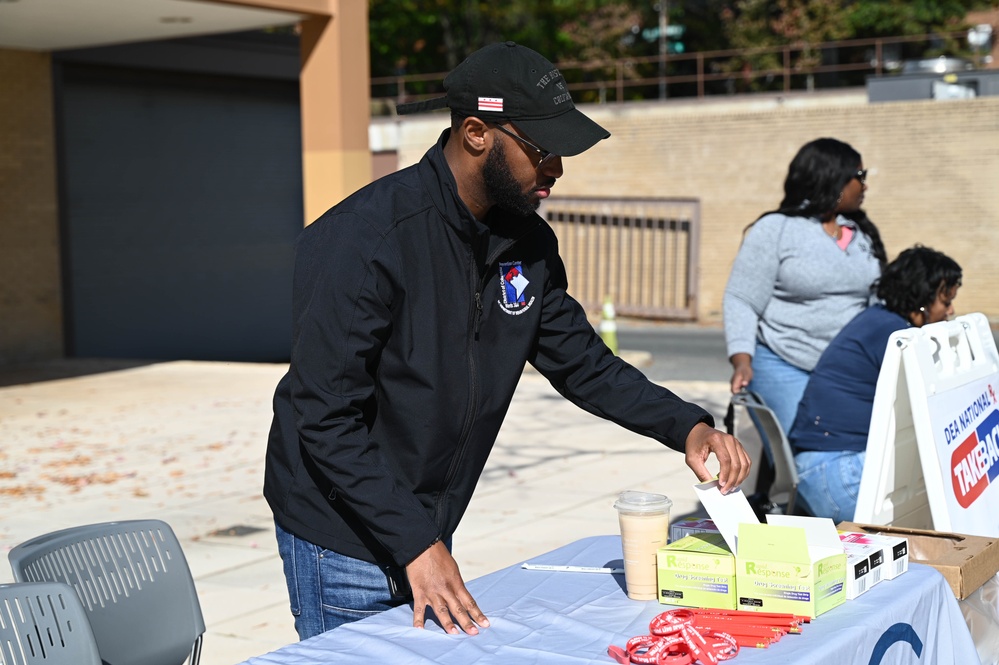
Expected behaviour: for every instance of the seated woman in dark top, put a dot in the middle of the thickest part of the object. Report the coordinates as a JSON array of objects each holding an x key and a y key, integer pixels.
[{"x": 829, "y": 436}]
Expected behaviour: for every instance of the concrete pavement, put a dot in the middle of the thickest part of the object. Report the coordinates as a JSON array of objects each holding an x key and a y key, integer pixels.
[{"x": 184, "y": 442}]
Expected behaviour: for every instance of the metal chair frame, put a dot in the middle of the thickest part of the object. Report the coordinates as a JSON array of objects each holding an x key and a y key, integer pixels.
[{"x": 784, "y": 489}]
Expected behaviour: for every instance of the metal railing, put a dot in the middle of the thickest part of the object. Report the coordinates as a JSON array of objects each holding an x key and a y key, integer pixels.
[
  {"x": 641, "y": 253},
  {"x": 800, "y": 66}
]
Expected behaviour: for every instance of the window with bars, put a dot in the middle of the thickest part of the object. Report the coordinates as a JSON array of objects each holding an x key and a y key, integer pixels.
[{"x": 641, "y": 253}]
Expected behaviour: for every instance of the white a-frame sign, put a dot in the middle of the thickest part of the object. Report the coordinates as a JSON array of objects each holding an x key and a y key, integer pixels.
[{"x": 933, "y": 447}]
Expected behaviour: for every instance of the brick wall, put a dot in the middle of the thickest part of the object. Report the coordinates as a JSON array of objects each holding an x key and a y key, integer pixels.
[
  {"x": 30, "y": 300},
  {"x": 934, "y": 171}
]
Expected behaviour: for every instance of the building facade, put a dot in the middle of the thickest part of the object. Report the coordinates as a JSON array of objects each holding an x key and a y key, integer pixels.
[
  {"x": 151, "y": 186},
  {"x": 157, "y": 160}
]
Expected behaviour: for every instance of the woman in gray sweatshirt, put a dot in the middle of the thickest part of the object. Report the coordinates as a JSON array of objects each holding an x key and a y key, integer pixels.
[{"x": 802, "y": 272}]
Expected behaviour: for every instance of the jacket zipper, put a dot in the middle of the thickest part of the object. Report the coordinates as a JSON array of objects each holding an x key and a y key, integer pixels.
[
  {"x": 478, "y": 285},
  {"x": 466, "y": 427},
  {"x": 478, "y": 313}
]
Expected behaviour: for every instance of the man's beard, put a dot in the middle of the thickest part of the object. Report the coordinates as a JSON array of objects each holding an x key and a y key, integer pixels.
[{"x": 502, "y": 188}]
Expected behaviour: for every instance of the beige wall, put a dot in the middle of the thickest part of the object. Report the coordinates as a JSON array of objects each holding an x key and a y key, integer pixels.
[
  {"x": 934, "y": 171},
  {"x": 30, "y": 304},
  {"x": 336, "y": 110}
]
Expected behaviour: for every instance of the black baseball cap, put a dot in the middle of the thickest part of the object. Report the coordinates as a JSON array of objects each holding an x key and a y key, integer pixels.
[{"x": 507, "y": 82}]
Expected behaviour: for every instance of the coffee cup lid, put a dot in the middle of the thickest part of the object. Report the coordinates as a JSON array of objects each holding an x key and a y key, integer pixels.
[{"x": 642, "y": 502}]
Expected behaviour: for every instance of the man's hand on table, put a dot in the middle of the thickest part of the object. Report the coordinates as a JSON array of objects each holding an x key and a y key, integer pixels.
[
  {"x": 436, "y": 583},
  {"x": 733, "y": 462}
]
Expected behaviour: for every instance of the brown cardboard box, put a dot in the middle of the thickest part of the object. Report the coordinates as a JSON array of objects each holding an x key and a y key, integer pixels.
[{"x": 966, "y": 562}]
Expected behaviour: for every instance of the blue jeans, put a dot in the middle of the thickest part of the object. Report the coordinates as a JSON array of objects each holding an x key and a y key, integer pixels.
[
  {"x": 779, "y": 383},
  {"x": 327, "y": 589},
  {"x": 828, "y": 481}
]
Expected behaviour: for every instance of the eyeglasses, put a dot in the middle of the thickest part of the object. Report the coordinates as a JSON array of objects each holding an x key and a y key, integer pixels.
[
  {"x": 546, "y": 157},
  {"x": 862, "y": 176}
]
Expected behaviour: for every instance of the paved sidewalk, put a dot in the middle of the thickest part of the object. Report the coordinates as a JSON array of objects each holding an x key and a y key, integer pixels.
[{"x": 184, "y": 442}]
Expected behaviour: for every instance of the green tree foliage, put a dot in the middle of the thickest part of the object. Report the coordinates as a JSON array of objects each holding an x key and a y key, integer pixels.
[
  {"x": 602, "y": 40},
  {"x": 703, "y": 22},
  {"x": 750, "y": 24},
  {"x": 886, "y": 18},
  {"x": 430, "y": 37},
  {"x": 760, "y": 24},
  {"x": 433, "y": 36},
  {"x": 425, "y": 36}
]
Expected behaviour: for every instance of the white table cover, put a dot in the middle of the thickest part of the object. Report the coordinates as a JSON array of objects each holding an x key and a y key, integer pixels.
[{"x": 541, "y": 617}]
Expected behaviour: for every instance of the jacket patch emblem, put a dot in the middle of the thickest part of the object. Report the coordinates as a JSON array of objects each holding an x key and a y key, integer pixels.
[{"x": 514, "y": 284}]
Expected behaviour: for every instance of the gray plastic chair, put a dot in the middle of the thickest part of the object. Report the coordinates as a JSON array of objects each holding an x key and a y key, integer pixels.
[
  {"x": 784, "y": 489},
  {"x": 134, "y": 582},
  {"x": 44, "y": 624}
]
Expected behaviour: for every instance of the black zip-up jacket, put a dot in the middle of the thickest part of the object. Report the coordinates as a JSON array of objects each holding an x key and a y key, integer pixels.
[{"x": 412, "y": 325}]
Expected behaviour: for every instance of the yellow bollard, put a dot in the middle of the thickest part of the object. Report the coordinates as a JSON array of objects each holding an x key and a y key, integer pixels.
[{"x": 608, "y": 327}]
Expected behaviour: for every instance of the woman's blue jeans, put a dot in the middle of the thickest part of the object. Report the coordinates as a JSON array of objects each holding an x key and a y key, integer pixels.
[
  {"x": 327, "y": 589},
  {"x": 779, "y": 383},
  {"x": 829, "y": 481}
]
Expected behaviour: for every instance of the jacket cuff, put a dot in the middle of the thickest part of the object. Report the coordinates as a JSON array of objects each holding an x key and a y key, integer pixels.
[{"x": 417, "y": 555}]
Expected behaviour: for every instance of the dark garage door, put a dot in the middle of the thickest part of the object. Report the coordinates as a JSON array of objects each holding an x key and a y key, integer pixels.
[{"x": 181, "y": 199}]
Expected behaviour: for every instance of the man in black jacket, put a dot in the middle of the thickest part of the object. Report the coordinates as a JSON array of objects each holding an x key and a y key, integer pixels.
[{"x": 417, "y": 302}]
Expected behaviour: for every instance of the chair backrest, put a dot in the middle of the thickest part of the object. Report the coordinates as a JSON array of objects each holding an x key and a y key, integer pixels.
[
  {"x": 784, "y": 489},
  {"x": 44, "y": 624},
  {"x": 134, "y": 582}
]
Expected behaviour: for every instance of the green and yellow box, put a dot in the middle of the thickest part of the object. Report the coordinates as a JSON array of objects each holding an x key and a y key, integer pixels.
[
  {"x": 697, "y": 571},
  {"x": 790, "y": 568}
]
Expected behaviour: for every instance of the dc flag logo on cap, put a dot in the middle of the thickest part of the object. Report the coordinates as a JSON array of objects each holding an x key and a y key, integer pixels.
[{"x": 491, "y": 104}]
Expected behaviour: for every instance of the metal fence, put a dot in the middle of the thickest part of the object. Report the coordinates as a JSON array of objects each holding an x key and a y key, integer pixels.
[
  {"x": 640, "y": 253},
  {"x": 797, "y": 66}
]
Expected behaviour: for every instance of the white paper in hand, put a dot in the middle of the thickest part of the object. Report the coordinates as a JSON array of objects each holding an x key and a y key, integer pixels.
[{"x": 727, "y": 511}]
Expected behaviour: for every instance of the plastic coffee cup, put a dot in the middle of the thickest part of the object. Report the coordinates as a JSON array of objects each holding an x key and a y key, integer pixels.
[{"x": 644, "y": 519}]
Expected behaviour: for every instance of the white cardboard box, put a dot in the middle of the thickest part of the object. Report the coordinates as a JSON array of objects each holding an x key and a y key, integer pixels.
[
  {"x": 895, "y": 551},
  {"x": 864, "y": 563}
]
